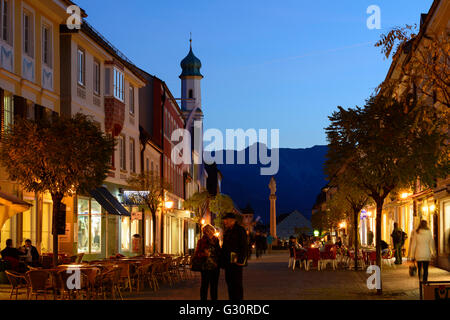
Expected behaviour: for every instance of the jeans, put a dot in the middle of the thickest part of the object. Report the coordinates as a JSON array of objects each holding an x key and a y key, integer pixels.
[
  {"x": 234, "y": 278},
  {"x": 210, "y": 279},
  {"x": 425, "y": 265}
]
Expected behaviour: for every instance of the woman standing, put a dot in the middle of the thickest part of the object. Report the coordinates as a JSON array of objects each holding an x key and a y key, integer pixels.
[
  {"x": 208, "y": 249},
  {"x": 422, "y": 248}
]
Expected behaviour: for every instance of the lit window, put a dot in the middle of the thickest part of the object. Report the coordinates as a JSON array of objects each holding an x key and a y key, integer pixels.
[
  {"x": 81, "y": 64},
  {"x": 47, "y": 45},
  {"x": 8, "y": 111}
]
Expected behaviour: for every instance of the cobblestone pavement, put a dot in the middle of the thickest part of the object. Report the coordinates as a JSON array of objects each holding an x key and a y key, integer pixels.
[{"x": 269, "y": 278}]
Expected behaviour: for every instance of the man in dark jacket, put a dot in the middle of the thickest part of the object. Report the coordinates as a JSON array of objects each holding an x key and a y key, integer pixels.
[
  {"x": 234, "y": 256},
  {"x": 32, "y": 255}
]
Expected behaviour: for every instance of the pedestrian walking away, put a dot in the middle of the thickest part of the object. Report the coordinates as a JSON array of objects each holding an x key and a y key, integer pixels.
[
  {"x": 208, "y": 251},
  {"x": 234, "y": 256},
  {"x": 398, "y": 239},
  {"x": 422, "y": 249}
]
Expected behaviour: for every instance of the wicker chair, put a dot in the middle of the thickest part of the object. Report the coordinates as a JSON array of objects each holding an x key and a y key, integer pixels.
[
  {"x": 39, "y": 282},
  {"x": 18, "y": 281}
]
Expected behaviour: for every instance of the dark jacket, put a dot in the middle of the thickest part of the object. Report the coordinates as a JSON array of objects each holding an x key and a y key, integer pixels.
[
  {"x": 34, "y": 254},
  {"x": 212, "y": 246},
  {"x": 234, "y": 240},
  {"x": 11, "y": 252}
]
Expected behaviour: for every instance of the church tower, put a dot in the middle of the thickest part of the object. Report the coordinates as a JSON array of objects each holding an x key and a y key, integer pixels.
[{"x": 191, "y": 93}]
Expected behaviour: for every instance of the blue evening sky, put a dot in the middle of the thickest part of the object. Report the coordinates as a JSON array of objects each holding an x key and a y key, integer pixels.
[{"x": 282, "y": 64}]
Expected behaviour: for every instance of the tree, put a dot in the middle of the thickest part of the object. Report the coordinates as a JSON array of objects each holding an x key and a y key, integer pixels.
[
  {"x": 199, "y": 203},
  {"x": 425, "y": 72},
  {"x": 60, "y": 155},
  {"x": 148, "y": 191},
  {"x": 381, "y": 147},
  {"x": 220, "y": 205},
  {"x": 350, "y": 200}
]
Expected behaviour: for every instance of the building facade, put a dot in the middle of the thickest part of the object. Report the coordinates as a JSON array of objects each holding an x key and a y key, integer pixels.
[{"x": 29, "y": 87}]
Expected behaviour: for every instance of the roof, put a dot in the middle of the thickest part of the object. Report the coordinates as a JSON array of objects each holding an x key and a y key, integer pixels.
[
  {"x": 291, "y": 221},
  {"x": 116, "y": 53},
  {"x": 191, "y": 65}
]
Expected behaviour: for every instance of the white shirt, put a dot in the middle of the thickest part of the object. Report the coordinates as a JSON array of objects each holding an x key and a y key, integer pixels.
[{"x": 422, "y": 245}]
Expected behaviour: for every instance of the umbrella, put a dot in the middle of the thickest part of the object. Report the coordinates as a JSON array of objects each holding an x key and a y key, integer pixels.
[{"x": 11, "y": 205}]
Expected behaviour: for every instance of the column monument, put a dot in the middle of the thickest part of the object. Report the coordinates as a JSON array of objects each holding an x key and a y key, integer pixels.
[{"x": 273, "y": 208}]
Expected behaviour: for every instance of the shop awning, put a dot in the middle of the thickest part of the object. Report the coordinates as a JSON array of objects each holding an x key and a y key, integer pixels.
[
  {"x": 109, "y": 202},
  {"x": 11, "y": 205}
]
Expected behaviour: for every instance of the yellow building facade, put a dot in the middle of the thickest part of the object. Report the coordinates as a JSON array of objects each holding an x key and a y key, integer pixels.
[{"x": 29, "y": 87}]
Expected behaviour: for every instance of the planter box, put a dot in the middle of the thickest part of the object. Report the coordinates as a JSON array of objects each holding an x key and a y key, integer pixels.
[{"x": 436, "y": 290}]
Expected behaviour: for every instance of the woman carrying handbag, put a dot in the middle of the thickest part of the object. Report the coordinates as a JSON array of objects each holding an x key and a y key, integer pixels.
[
  {"x": 422, "y": 249},
  {"x": 206, "y": 260}
]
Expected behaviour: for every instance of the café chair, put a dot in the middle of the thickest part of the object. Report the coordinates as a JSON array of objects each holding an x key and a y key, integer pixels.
[{"x": 18, "y": 281}]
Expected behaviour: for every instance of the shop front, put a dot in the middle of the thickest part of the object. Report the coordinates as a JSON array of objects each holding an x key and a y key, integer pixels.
[{"x": 104, "y": 226}]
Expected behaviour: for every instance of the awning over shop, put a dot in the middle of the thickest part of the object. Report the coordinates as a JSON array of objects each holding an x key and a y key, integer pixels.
[
  {"x": 109, "y": 202},
  {"x": 11, "y": 205}
]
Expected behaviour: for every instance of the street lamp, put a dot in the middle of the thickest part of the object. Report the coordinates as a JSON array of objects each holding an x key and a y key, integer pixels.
[{"x": 168, "y": 204}]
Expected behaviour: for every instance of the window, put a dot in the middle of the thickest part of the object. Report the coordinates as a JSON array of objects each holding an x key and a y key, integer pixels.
[
  {"x": 122, "y": 153},
  {"x": 47, "y": 45},
  {"x": 97, "y": 77},
  {"x": 132, "y": 100},
  {"x": 8, "y": 111},
  {"x": 132, "y": 157},
  {"x": 89, "y": 226},
  {"x": 118, "y": 84},
  {"x": 191, "y": 93},
  {"x": 80, "y": 67},
  {"x": 28, "y": 34},
  {"x": 6, "y": 21}
]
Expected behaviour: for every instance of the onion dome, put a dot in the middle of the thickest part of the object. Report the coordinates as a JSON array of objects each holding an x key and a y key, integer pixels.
[{"x": 191, "y": 65}]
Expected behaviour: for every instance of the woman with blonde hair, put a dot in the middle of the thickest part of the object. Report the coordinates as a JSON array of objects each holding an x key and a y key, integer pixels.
[
  {"x": 208, "y": 251},
  {"x": 422, "y": 248}
]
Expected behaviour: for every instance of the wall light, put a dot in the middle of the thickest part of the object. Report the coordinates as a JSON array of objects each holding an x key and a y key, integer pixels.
[{"x": 168, "y": 204}]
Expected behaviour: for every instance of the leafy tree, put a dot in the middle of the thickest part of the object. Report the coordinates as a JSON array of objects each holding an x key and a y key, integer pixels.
[
  {"x": 349, "y": 200},
  {"x": 199, "y": 203},
  {"x": 381, "y": 147},
  {"x": 220, "y": 205},
  {"x": 60, "y": 155},
  {"x": 425, "y": 72},
  {"x": 148, "y": 191}
]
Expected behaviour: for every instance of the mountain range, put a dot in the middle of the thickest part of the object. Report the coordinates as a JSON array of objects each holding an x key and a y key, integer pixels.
[{"x": 299, "y": 180}]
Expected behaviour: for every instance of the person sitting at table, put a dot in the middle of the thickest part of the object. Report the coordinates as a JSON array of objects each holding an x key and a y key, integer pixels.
[
  {"x": 12, "y": 255},
  {"x": 384, "y": 247},
  {"x": 31, "y": 254}
]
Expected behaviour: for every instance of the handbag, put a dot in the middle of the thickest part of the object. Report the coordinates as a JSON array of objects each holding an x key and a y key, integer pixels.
[
  {"x": 412, "y": 270},
  {"x": 197, "y": 263}
]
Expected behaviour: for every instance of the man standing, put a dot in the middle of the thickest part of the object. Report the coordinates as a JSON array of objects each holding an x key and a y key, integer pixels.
[
  {"x": 234, "y": 256},
  {"x": 398, "y": 239}
]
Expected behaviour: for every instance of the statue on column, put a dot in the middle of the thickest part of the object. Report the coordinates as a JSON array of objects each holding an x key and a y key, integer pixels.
[{"x": 273, "y": 209}]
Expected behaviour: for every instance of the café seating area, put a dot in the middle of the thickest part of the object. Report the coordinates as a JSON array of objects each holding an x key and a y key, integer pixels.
[
  {"x": 74, "y": 279},
  {"x": 333, "y": 257}
]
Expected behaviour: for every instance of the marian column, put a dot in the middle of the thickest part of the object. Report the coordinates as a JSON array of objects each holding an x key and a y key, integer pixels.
[{"x": 273, "y": 208}]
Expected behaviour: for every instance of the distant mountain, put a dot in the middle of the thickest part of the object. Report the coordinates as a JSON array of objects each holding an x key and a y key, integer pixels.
[{"x": 299, "y": 180}]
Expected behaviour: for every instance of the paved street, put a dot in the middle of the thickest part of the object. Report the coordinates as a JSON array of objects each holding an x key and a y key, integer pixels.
[{"x": 269, "y": 279}]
